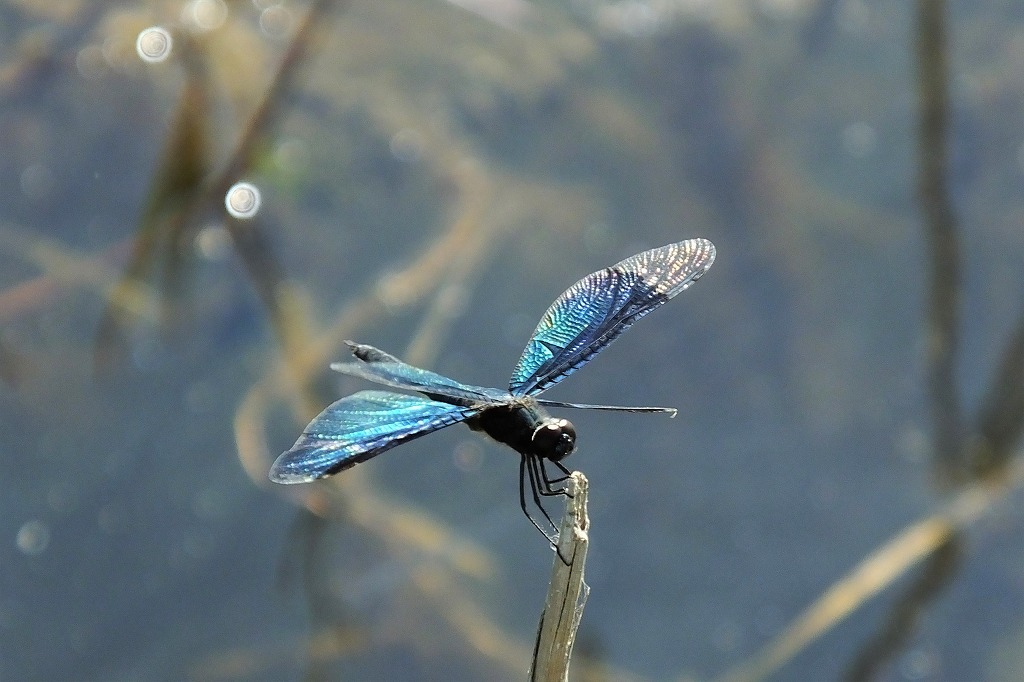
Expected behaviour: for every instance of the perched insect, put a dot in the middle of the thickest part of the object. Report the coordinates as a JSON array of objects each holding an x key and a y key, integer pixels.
[{"x": 577, "y": 326}]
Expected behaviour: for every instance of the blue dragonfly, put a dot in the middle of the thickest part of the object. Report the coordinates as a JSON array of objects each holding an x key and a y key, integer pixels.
[{"x": 579, "y": 324}]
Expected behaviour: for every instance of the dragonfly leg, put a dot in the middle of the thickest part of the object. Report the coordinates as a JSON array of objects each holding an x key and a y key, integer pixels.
[
  {"x": 530, "y": 467},
  {"x": 561, "y": 467},
  {"x": 545, "y": 485},
  {"x": 550, "y": 483},
  {"x": 539, "y": 485},
  {"x": 526, "y": 470}
]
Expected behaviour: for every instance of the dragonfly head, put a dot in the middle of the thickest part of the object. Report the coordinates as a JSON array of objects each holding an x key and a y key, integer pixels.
[{"x": 554, "y": 439}]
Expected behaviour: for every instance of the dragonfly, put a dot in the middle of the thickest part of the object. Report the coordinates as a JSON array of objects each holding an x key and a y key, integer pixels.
[{"x": 580, "y": 323}]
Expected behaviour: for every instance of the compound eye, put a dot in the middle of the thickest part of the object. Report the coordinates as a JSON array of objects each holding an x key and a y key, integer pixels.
[{"x": 554, "y": 439}]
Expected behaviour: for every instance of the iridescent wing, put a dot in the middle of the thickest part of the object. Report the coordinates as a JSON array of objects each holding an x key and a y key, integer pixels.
[
  {"x": 361, "y": 426},
  {"x": 594, "y": 311},
  {"x": 375, "y": 365}
]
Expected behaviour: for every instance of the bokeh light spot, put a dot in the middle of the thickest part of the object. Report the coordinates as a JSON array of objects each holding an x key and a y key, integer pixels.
[
  {"x": 153, "y": 45},
  {"x": 33, "y": 537},
  {"x": 243, "y": 200}
]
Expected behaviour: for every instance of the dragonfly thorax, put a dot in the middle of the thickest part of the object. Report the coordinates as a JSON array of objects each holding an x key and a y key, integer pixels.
[{"x": 527, "y": 428}]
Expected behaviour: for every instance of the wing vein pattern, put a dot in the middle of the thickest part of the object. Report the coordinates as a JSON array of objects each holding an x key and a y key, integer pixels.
[
  {"x": 361, "y": 426},
  {"x": 597, "y": 309}
]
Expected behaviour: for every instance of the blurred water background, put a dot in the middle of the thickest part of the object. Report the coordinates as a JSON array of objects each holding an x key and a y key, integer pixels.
[{"x": 433, "y": 174}]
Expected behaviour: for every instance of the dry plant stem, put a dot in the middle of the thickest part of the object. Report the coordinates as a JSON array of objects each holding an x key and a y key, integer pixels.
[
  {"x": 878, "y": 571},
  {"x": 567, "y": 593}
]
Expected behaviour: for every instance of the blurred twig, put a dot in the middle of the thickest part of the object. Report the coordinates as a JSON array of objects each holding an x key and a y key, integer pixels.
[
  {"x": 61, "y": 265},
  {"x": 939, "y": 568},
  {"x": 940, "y": 223},
  {"x": 167, "y": 215},
  {"x": 267, "y": 112},
  {"x": 183, "y": 189},
  {"x": 567, "y": 593},
  {"x": 1001, "y": 418},
  {"x": 263, "y": 269}
]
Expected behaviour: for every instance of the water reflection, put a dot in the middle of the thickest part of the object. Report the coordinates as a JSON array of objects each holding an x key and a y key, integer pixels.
[{"x": 439, "y": 174}]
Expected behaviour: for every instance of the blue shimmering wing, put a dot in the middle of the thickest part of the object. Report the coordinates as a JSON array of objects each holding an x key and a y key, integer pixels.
[
  {"x": 375, "y": 365},
  {"x": 602, "y": 305},
  {"x": 361, "y": 426}
]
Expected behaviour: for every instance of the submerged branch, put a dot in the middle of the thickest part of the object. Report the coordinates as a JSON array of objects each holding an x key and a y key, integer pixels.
[
  {"x": 880, "y": 569},
  {"x": 941, "y": 231},
  {"x": 939, "y": 569},
  {"x": 1001, "y": 417}
]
